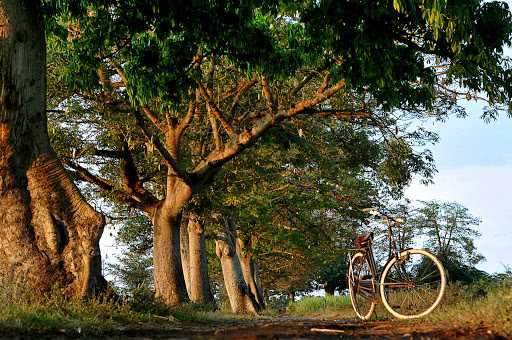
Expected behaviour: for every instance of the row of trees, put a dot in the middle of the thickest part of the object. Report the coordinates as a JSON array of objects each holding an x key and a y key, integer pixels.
[
  {"x": 269, "y": 123},
  {"x": 306, "y": 264}
]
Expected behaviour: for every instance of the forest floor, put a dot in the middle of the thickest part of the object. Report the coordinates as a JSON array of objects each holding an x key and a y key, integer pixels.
[{"x": 281, "y": 327}]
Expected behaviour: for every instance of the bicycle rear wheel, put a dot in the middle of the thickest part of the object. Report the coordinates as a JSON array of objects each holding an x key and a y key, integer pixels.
[
  {"x": 413, "y": 285},
  {"x": 361, "y": 285}
]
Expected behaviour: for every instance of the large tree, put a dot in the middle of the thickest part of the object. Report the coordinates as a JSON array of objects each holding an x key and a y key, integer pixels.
[
  {"x": 49, "y": 234},
  {"x": 157, "y": 65}
]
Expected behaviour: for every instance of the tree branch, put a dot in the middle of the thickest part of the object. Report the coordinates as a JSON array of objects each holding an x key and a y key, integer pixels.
[
  {"x": 131, "y": 181},
  {"x": 325, "y": 83},
  {"x": 267, "y": 93},
  {"x": 215, "y": 110},
  {"x": 342, "y": 114},
  {"x": 152, "y": 117},
  {"x": 84, "y": 175},
  {"x": 215, "y": 130},
  {"x": 301, "y": 84},
  {"x": 320, "y": 97},
  {"x": 217, "y": 158},
  {"x": 169, "y": 160},
  {"x": 243, "y": 89},
  {"x": 185, "y": 121}
]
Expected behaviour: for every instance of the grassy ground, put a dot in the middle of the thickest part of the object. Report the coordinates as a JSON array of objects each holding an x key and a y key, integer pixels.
[
  {"x": 469, "y": 307},
  {"x": 328, "y": 307},
  {"x": 475, "y": 307},
  {"x": 463, "y": 306},
  {"x": 59, "y": 315}
]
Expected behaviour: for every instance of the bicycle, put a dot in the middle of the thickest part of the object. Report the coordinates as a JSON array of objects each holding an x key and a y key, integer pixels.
[{"x": 411, "y": 284}]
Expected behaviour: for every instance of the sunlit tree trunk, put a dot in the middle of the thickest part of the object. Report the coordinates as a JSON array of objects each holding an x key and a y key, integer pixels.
[
  {"x": 250, "y": 272},
  {"x": 168, "y": 271},
  {"x": 200, "y": 291},
  {"x": 240, "y": 297},
  {"x": 49, "y": 235},
  {"x": 185, "y": 251}
]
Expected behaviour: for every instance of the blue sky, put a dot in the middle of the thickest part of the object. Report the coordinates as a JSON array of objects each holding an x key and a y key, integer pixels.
[{"x": 474, "y": 163}]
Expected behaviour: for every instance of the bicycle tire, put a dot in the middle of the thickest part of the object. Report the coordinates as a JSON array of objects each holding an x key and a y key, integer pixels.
[
  {"x": 361, "y": 285},
  {"x": 417, "y": 279}
]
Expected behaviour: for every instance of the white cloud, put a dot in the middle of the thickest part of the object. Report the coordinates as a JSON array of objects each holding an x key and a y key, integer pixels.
[{"x": 487, "y": 192}]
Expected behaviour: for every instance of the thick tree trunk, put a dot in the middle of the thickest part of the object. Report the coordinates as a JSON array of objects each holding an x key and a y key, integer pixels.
[
  {"x": 49, "y": 234},
  {"x": 250, "y": 272},
  {"x": 168, "y": 271},
  {"x": 200, "y": 291},
  {"x": 240, "y": 298},
  {"x": 185, "y": 251}
]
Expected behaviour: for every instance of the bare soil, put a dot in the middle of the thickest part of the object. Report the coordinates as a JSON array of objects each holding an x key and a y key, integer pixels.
[{"x": 282, "y": 328}]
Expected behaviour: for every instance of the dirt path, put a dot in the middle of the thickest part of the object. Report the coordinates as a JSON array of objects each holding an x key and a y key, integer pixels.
[
  {"x": 297, "y": 328},
  {"x": 282, "y": 328}
]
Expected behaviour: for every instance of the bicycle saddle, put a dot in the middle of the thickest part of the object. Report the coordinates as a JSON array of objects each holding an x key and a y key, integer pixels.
[{"x": 363, "y": 240}]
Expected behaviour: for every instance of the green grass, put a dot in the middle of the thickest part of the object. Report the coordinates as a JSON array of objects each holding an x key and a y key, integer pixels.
[
  {"x": 50, "y": 315},
  {"x": 477, "y": 306},
  {"x": 463, "y": 306},
  {"x": 328, "y": 306},
  {"x": 22, "y": 314}
]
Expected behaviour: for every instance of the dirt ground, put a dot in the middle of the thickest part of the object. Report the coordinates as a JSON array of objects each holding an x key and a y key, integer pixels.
[{"x": 283, "y": 328}]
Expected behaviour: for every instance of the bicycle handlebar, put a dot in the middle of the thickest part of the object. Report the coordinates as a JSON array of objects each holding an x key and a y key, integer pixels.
[{"x": 375, "y": 212}]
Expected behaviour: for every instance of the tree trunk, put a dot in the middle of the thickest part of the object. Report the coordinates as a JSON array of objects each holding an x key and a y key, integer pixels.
[
  {"x": 185, "y": 251},
  {"x": 329, "y": 288},
  {"x": 240, "y": 298},
  {"x": 250, "y": 272},
  {"x": 200, "y": 291},
  {"x": 168, "y": 271},
  {"x": 49, "y": 234},
  {"x": 291, "y": 297}
]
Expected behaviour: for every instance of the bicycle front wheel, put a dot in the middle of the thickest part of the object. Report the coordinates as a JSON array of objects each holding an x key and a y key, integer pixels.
[
  {"x": 361, "y": 285},
  {"x": 413, "y": 285}
]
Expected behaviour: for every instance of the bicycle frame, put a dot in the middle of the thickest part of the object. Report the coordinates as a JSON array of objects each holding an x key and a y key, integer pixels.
[{"x": 394, "y": 252}]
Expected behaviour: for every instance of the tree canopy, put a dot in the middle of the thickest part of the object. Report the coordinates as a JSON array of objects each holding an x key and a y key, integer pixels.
[{"x": 156, "y": 97}]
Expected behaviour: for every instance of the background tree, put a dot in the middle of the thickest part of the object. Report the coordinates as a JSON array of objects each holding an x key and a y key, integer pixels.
[
  {"x": 450, "y": 232},
  {"x": 296, "y": 197},
  {"x": 133, "y": 268}
]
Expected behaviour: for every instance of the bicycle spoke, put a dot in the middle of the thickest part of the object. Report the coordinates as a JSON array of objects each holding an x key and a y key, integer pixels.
[
  {"x": 429, "y": 275},
  {"x": 362, "y": 286},
  {"x": 412, "y": 286}
]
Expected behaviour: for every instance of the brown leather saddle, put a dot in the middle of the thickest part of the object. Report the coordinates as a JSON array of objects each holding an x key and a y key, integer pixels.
[{"x": 363, "y": 241}]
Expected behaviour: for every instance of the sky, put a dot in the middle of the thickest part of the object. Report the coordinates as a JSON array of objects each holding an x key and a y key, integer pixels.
[{"x": 474, "y": 163}]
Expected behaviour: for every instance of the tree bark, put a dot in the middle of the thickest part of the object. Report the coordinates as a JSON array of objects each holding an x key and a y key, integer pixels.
[
  {"x": 185, "y": 251},
  {"x": 168, "y": 271},
  {"x": 200, "y": 291},
  {"x": 49, "y": 234},
  {"x": 250, "y": 272},
  {"x": 240, "y": 297}
]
